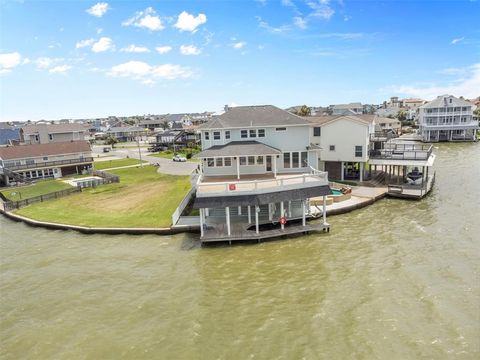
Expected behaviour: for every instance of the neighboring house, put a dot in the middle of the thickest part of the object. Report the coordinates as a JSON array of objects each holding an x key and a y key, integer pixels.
[
  {"x": 9, "y": 136},
  {"x": 51, "y": 133},
  {"x": 126, "y": 133},
  {"x": 38, "y": 161},
  {"x": 412, "y": 103},
  {"x": 447, "y": 118},
  {"x": 347, "y": 109},
  {"x": 384, "y": 124},
  {"x": 180, "y": 138},
  {"x": 343, "y": 143},
  {"x": 179, "y": 119},
  {"x": 152, "y": 124},
  {"x": 256, "y": 168}
]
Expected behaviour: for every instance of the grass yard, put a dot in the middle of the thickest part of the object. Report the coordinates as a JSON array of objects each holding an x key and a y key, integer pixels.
[
  {"x": 168, "y": 154},
  {"x": 100, "y": 165},
  {"x": 39, "y": 188},
  {"x": 143, "y": 198}
]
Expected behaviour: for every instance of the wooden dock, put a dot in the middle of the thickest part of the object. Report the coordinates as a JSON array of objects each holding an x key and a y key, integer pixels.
[{"x": 243, "y": 232}]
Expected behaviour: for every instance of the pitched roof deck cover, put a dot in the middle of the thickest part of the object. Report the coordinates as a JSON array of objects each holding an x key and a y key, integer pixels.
[
  {"x": 261, "y": 199},
  {"x": 253, "y": 116},
  {"x": 239, "y": 148}
]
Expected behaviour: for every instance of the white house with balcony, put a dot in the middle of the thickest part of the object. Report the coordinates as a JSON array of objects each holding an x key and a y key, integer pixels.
[
  {"x": 447, "y": 118},
  {"x": 343, "y": 143},
  {"x": 257, "y": 174}
]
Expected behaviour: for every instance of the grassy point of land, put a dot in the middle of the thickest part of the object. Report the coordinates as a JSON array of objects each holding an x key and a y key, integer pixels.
[
  {"x": 107, "y": 164},
  {"x": 143, "y": 198},
  {"x": 40, "y": 187}
]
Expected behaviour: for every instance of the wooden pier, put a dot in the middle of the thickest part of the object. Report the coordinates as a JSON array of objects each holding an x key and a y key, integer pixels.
[{"x": 243, "y": 232}]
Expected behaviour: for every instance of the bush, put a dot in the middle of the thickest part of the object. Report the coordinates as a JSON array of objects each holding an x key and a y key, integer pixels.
[{"x": 189, "y": 155}]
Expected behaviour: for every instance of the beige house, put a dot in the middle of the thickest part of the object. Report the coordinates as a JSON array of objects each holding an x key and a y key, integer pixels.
[{"x": 51, "y": 133}]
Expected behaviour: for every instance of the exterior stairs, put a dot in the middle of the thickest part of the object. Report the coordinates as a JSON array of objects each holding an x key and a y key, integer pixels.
[
  {"x": 377, "y": 180},
  {"x": 16, "y": 176}
]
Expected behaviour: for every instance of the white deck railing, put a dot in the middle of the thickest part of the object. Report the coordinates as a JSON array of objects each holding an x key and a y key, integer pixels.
[{"x": 281, "y": 183}]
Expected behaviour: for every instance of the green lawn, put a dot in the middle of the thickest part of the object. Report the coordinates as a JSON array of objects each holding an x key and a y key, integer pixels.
[
  {"x": 39, "y": 188},
  {"x": 100, "y": 165},
  {"x": 143, "y": 198}
]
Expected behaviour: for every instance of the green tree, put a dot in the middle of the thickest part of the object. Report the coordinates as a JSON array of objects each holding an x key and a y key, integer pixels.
[
  {"x": 111, "y": 141},
  {"x": 304, "y": 111},
  {"x": 402, "y": 116},
  {"x": 165, "y": 125}
]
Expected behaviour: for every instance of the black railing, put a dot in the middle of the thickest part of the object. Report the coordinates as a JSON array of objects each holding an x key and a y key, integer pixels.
[
  {"x": 17, "y": 204},
  {"x": 403, "y": 152},
  {"x": 49, "y": 164}
]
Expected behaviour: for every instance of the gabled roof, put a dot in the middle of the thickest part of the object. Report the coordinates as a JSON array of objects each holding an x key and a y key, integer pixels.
[
  {"x": 347, "y": 106},
  {"x": 37, "y": 150},
  {"x": 239, "y": 148},
  {"x": 53, "y": 128},
  {"x": 253, "y": 116},
  {"x": 444, "y": 100}
]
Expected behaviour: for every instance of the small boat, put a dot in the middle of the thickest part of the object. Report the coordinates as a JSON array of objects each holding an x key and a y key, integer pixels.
[{"x": 415, "y": 174}]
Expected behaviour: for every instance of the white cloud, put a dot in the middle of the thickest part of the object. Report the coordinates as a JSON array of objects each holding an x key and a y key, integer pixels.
[
  {"x": 467, "y": 86},
  {"x": 8, "y": 61},
  {"x": 148, "y": 74},
  {"x": 274, "y": 30},
  {"x": 84, "y": 43},
  {"x": 454, "y": 71},
  {"x": 99, "y": 30},
  {"x": 300, "y": 22},
  {"x": 45, "y": 62},
  {"x": 188, "y": 22},
  {"x": 135, "y": 49},
  {"x": 147, "y": 18},
  {"x": 103, "y": 44},
  {"x": 456, "y": 41},
  {"x": 61, "y": 69},
  {"x": 163, "y": 49},
  {"x": 99, "y": 9},
  {"x": 321, "y": 9},
  {"x": 189, "y": 50},
  {"x": 239, "y": 45}
]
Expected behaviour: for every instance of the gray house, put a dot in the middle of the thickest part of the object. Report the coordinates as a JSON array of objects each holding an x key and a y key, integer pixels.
[
  {"x": 256, "y": 162},
  {"x": 52, "y": 133}
]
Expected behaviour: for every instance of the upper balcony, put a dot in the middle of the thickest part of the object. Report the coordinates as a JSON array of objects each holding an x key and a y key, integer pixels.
[
  {"x": 403, "y": 152},
  {"x": 259, "y": 184},
  {"x": 44, "y": 164}
]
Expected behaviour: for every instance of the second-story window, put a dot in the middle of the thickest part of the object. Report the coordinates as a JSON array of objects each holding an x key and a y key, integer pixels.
[
  {"x": 261, "y": 132},
  {"x": 286, "y": 160},
  {"x": 216, "y": 135},
  {"x": 243, "y": 160},
  {"x": 358, "y": 151},
  {"x": 207, "y": 135},
  {"x": 316, "y": 131},
  {"x": 243, "y": 134},
  {"x": 227, "y": 134},
  {"x": 281, "y": 129},
  {"x": 50, "y": 136},
  {"x": 332, "y": 147},
  {"x": 253, "y": 133}
]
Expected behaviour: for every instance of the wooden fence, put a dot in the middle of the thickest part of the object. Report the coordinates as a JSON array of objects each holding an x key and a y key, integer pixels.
[{"x": 10, "y": 205}]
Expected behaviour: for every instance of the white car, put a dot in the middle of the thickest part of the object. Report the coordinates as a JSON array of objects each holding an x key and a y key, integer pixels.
[{"x": 179, "y": 158}]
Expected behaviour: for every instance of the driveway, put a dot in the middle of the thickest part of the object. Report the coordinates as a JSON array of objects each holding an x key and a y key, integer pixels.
[{"x": 167, "y": 166}]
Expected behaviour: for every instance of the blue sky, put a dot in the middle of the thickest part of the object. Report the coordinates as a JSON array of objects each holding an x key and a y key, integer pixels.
[{"x": 75, "y": 59}]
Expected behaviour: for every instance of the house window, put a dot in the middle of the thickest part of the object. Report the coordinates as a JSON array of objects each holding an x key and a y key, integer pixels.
[
  {"x": 243, "y": 160},
  {"x": 281, "y": 129},
  {"x": 253, "y": 133},
  {"x": 36, "y": 137},
  {"x": 251, "y": 160},
  {"x": 210, "y": 162},
  {"x": 218, "y": 162},
  {"x": 50, "y": 137},
  {"x": 358, "y": 151},
  {"x": 227, "y": 161},
  {"x": 286, "y": 160},
  {"x": 216, "y": 135},
  {"x": 227, "y": 134},
  {"x": 259, "y": 160},
  {"x": 295, "y": 158},
  {"x": 304, "y": 161},
  {"x": 332, "y": 147},
  {"x": 261, "y": 132},
  {"x": 207, "y": 135},
  {"x": 45, "y": 158},
  {"x": 316, "y": 131},
  {"x": 244, "y": 134}
]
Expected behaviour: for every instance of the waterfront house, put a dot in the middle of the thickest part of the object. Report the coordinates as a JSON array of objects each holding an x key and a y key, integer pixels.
[
  {"x": 23, "y": 163},
  {"x": 447, "y": 118},
  {"x": 343, "y": 143},
  {"x": 347, "y": 109},
  {"x": 41, "y": 133},
  {"x": 257, "y": 174}
]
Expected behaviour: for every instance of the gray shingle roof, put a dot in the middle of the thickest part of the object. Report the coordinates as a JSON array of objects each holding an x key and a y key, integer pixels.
[
  {"x": 239, "y": 148},
  {"x": 37, "y": 150},
  {"x": 444, "y": 100},
  {"x": 53, "y": 128},
  {"x": 347, "y": 106},
  {"x": 254, "y": 116}
]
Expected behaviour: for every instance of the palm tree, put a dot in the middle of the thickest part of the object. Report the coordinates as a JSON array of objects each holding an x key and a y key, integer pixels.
[{"x": 304, "y": 111}]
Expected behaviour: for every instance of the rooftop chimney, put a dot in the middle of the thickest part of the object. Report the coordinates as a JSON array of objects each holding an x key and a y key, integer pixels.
[{"x": 226, "y": 108}]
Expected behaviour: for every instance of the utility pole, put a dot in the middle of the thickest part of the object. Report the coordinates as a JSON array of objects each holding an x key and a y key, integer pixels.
[{"x": 138, "y": 145}]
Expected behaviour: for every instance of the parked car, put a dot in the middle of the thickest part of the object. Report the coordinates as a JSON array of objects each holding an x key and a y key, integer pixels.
[
  {"x": 179, "y": 158},
  {"x": 106, "y": 149}
]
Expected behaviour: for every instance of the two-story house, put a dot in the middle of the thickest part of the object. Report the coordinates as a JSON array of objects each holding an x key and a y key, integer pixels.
[
  {"x": 257, "y": 163},
  {"x": 39, "y": 161},
  {"x": 52, "y": 133},
  {"x": 447, "y": 118},
  {"x": 343, "y": 143},
  {"x": 347, "y": 109}
]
